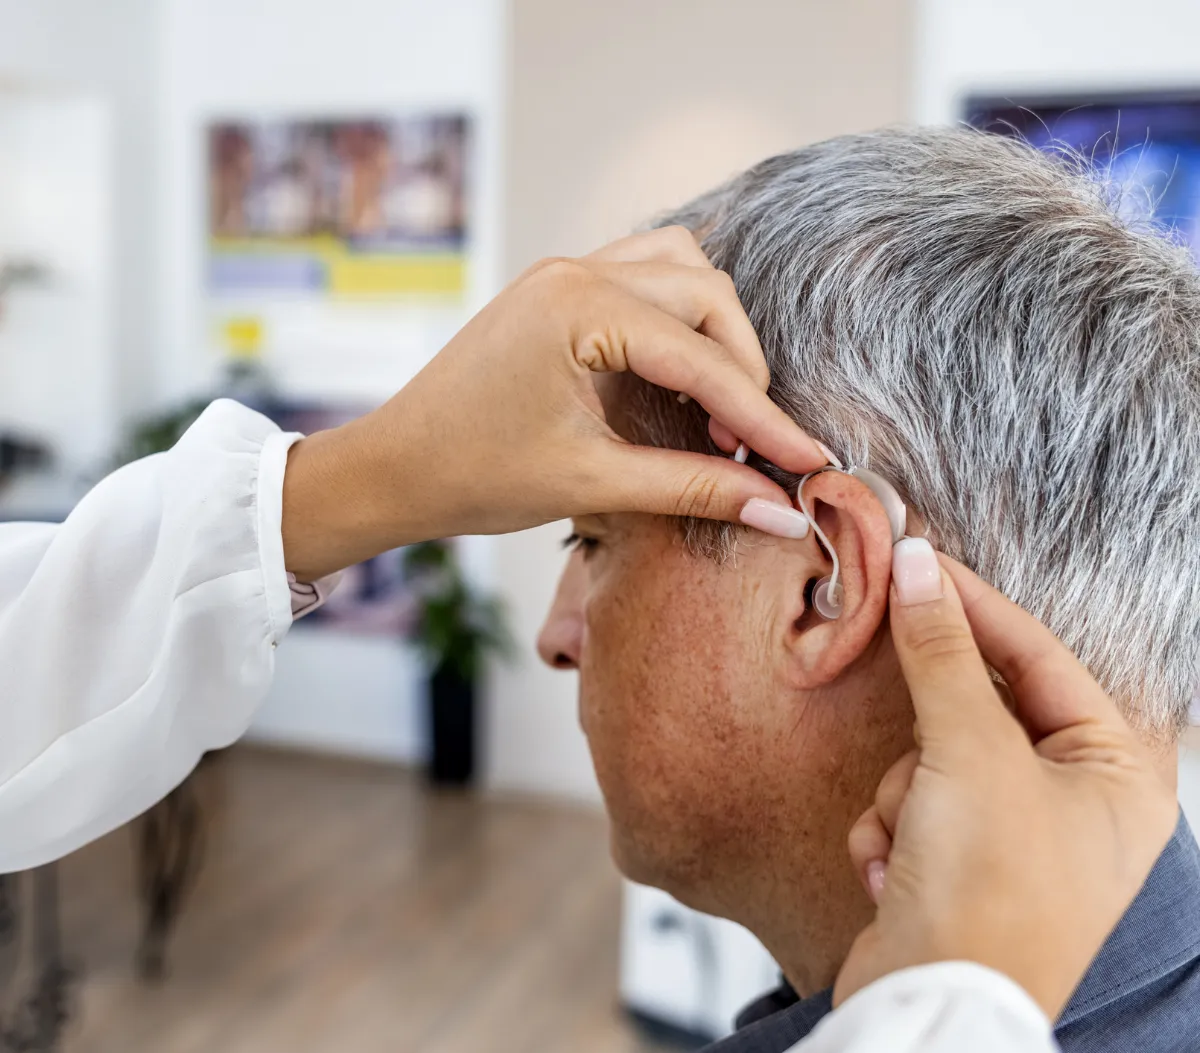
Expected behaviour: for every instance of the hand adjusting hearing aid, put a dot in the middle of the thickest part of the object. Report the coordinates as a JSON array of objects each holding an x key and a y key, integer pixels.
[{"x": 827, "y": 596}]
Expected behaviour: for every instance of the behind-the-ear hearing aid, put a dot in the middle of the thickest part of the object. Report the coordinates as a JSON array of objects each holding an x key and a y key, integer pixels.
[{"x": 827, "y": 596}]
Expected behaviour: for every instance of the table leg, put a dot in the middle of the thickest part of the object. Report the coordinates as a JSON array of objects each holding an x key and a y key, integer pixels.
[
  {"x": 38, "y": 1021},
  {"x": 170, "y": 849}
]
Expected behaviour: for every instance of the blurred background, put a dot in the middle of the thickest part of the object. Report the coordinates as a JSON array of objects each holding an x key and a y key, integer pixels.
[{"x": 296, "y": 202}]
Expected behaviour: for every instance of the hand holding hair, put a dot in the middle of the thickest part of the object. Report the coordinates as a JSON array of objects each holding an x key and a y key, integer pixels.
[
  {"x": 1013, "y": 839},
  {"x": 505, "y": 428}
]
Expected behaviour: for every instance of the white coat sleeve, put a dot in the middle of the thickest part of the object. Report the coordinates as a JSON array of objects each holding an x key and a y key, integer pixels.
[
  {"x": 946, "y": 1007},
  {"x": 139, "y": 633}
]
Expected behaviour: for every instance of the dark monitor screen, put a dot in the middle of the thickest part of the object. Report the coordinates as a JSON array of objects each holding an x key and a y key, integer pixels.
[{"x": 1146, "y": 143}]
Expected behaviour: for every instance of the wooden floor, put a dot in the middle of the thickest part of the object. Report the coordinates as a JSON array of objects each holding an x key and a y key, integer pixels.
[{"x": 345, "y": 909}]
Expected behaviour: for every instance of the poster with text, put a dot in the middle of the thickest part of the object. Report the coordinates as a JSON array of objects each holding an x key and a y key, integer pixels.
[{"x": 374, "y": 208}]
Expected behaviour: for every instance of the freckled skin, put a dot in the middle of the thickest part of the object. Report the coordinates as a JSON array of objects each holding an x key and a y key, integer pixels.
[{"x": 727, "y": 785}]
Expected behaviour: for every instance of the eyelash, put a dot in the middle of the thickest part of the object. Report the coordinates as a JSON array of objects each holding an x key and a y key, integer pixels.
[{"x": 578, "y": 541}]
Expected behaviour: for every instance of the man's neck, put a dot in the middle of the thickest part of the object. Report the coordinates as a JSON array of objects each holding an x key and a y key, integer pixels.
[
  {"x": 808, "y": 945},
  {"x": 807, "y": 967}
]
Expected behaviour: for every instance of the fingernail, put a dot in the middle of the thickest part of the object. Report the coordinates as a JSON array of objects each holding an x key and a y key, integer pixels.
[
  {"x": 741, "y": 453},
  {"x": 915, "y": 572},
  {"x": 876, "y": 875},
  {"x": 777, "y": 520},
  {"x": 829, "y": 456},
  {"x": 683, "y": 398}
]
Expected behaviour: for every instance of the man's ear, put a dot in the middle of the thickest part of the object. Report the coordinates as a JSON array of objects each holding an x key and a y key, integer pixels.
[{"x": 858, "y": 529}]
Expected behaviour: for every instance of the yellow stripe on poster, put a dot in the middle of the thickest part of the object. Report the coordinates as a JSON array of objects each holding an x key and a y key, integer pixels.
[
  {"x": 392, "y": 276},
  {"x": 321, "y": 245}
]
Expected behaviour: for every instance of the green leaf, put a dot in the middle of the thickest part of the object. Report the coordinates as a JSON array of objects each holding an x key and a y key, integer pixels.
[{"x": 456, "y": 627}]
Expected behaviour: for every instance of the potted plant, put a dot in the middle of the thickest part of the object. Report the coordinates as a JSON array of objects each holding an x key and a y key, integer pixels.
[{"x": 456, "y": 628}]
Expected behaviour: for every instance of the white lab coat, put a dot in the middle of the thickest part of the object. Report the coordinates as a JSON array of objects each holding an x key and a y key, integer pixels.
[
  {"x": 141, "y": 633},
  {"x": 946, "y": 1007}
]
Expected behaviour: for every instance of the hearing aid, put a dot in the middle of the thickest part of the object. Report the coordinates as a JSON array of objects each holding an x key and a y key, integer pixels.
[{"x": 828, "y": 595}]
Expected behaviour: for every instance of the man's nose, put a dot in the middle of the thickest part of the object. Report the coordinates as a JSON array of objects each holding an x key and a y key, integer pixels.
[{"x": 560, "y": 642}]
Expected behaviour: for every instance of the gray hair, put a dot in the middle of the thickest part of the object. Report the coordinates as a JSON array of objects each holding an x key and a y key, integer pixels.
[{"x": 978, "y": 323}]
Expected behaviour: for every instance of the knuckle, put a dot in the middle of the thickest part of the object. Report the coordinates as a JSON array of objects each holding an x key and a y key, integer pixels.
[
  {"x": 940, "y": 641},
  {"x": 721, "y": 354},
  {"x": 559, "y": 271},
  {"x": 599, "y": 347},
  {"x": 680, "y": 235},
  {"x": 892, "y": 790},
  {"x": 681, "y": 246},
  {"x": 867, "y": 836},
  {"x": 540, "y": 265},
  {"x": 724, "y": 284},
  {"x": 699, "y": 498}
]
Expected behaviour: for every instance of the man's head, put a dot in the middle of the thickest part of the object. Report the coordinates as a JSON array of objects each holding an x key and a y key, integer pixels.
[{"x": 975, "y": 323}]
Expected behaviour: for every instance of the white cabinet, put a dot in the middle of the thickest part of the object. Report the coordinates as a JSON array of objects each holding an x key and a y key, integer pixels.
[
  {"x": 689, "y": 971},
  {"x": 1189, "y": 777}
]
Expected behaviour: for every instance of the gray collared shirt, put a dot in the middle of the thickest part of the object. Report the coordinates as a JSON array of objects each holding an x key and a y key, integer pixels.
[{"x": 1141, "y": 994}]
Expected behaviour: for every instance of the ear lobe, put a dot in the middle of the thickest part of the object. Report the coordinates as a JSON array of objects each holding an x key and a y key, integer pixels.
[{"x": 858, "y": 528}]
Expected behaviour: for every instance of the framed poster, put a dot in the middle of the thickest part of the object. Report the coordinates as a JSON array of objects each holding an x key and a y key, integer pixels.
[{"x": 371, "y": 207}]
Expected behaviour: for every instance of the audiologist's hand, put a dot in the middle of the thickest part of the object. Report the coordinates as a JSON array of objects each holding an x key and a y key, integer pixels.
[
  {"x": 505, "y": 428},
  {"x": 1013, "y": 841}
]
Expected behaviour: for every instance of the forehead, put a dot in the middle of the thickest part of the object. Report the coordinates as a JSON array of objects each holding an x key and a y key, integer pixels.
[{"x": 645, "y": 561}]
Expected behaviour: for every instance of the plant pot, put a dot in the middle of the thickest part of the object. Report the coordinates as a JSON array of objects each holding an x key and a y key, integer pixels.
[{"x": 452, "y": 728}]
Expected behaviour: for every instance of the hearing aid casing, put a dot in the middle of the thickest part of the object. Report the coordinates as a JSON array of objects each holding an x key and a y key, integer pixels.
[{"x": 895, "y": 509}]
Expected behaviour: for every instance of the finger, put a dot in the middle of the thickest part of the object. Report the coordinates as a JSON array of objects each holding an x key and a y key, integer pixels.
[
  {"x": 703, "y": 298},
  {"x": 1050, "y": 687},
  {"x": 661, "y": 349},
  {"x": 870, "y": 845},
  {"x": 951, "y": 691},
  {"x": 893, "y": 789},
  {"x": 673, "y": 244},
  {"x": 722, "y": 436},
  {"x": 870, "y": 958},
  {"x": 672, "y": 482}
]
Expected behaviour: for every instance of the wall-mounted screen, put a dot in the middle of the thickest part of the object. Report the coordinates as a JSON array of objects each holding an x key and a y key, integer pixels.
[{"x": 1147, "y": 143}]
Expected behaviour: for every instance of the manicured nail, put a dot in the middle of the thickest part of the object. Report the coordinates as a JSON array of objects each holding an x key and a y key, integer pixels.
[
  {"x": 915, "y": 572},
  {"x": 777, "y": 520},
  {"x": 876, "y": 875},
  {"x": 741, "y": 453},
  {"x": 829, "y": 456}
]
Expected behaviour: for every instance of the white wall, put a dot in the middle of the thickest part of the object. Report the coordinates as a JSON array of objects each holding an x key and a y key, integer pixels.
[
  {"x": 314, "y": 58},
  {"x": 107, "y": 54},
  {"x": 1032, "y": 45},
  {"x": 277, "y": 58},
  {"x": 56, "y": 337}
]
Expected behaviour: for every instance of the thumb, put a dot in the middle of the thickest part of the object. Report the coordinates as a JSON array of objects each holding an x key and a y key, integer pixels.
[
  {"x": 677, "y": 483},
  {"x": 952, "y": 693}
]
